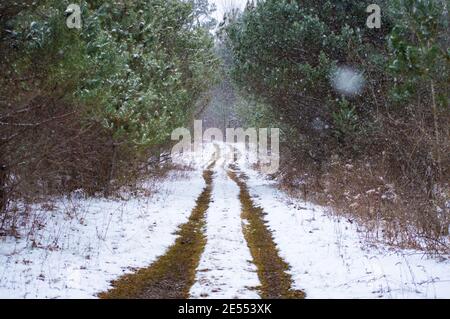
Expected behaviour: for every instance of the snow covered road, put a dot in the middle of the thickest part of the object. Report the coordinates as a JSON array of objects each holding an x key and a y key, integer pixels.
[
  {"x": 78, "y": 256},
  {"x": 226, "y": 269}
]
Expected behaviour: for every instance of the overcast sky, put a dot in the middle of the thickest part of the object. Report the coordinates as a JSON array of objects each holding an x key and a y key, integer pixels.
[{"x": 225, "y": 5}]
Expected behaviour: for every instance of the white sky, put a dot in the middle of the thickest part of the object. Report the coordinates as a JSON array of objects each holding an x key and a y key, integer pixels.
[{"x": 225, "y": 5}]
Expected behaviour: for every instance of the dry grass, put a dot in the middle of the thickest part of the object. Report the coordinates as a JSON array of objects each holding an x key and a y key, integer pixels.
[{"x": 387, "y": 209}]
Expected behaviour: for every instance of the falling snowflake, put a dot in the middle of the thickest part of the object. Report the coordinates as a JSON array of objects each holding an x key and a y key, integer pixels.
[{"x": 347, "y": 81}]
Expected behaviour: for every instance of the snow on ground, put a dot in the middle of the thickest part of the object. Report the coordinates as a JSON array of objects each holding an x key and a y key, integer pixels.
[
  {"x": 328, "y": 259},
  {"x": 226, "y": 269},
  {"x": 84, "y": 246}
]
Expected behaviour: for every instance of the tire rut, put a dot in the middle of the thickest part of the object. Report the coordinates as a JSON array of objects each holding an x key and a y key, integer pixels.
[
  {"x": 276, "y": 283},
  {"x": 173, "y": 274}
]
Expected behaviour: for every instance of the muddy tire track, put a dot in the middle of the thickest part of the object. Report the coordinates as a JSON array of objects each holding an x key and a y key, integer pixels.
[
  {"x": 173, "y": 274},
  {"x": 276, "y": 283}
]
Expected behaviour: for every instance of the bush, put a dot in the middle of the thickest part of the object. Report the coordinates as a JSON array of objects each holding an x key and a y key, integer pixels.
[
  {"x": 82, "y": 108},
  {"x": 285, "y": 53}
]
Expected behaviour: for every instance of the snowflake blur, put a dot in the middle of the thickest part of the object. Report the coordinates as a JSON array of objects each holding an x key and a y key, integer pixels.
[{"x": 348, "y": 81}]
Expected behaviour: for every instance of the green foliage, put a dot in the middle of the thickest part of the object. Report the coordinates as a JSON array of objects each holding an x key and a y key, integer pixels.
[
  {"x": 345, "y": 120},
  {"x": 138, "y": 66},
  {"x": 254, "y": 113},
  {"x": 419, "y": 49},
  {"x": 285, "y": 51},
  {"x": 296, "y": 39}
]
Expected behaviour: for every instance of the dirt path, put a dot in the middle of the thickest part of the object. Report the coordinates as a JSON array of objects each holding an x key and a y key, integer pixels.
[
  {"x": 225, "y": 250},
  {"x": 226, "y": 269}
]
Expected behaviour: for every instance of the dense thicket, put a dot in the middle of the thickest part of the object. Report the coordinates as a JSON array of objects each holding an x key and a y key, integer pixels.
[
  {"x": 80, "y": 108},
  {"x": 394, "y": 134}
]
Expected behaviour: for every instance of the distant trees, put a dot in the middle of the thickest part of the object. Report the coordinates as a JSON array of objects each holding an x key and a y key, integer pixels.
[{"x": 79, "y": 108}]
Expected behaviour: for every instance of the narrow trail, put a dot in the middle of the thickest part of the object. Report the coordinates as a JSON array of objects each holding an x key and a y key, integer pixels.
[
  {"x": 225, "y": 250},
  {"x": 239, "y": 236},
  {"x": 226, "y": 269}
]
